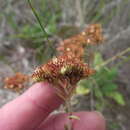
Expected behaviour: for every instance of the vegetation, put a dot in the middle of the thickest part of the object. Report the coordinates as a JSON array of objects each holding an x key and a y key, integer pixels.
[
  {"x": 19, "y": 28},
  {"x": 102, "y": 85}
]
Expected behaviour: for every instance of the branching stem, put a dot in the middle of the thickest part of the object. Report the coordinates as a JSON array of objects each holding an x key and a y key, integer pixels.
[{"x": 113, "y": 58}]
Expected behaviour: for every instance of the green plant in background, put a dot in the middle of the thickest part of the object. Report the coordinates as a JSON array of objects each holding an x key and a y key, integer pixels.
[
  {"x": 34, "y": 32},
  {"x": 48, "y": 18},
  {"x": 114, "y": 126},
  {"x": 39, "y": 35},
  {"x": 102, "y": 85},
  {"x": 47, "y": 13}
]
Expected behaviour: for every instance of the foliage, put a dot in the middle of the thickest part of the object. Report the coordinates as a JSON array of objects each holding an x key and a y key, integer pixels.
[
  {"x": 48, "y": 17},
  {"x": 114, "y": 126},
  {"x": 30, "y": 31},
  {"x": 102, "y": 84}
]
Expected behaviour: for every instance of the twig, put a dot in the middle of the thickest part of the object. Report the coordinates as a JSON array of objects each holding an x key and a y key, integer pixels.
[
  {"x": 97, "y": 86},
  {"x": 121, "y": 35},
  {"x": 110, "y": 6},
  {"x": 113, "y": 58},
  {"x": 69, "y": 126},
  {"x": 92, "y": 99},
  {"x": 80, "y": 13}
]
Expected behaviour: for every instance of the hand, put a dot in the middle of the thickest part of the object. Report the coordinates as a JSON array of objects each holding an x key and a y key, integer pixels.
[{"x": 31, "y": 110}]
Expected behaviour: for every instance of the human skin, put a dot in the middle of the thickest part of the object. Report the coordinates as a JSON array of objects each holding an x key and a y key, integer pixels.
[{"x": 32, "y": 111}]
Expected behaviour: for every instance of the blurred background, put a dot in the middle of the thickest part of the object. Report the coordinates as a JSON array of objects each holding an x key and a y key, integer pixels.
[{"x": 23, "y": 46}]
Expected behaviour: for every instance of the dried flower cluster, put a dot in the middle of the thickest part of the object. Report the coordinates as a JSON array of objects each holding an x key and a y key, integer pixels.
[
  {"x": 67, "y": 69},
  {"x": 62, "y": 68},
  {"x": 75, "y": 45},
  {"x": 93, "y": 34},
  {"x": 16, "y": 82},
  {"x": 63, "y": 71}
]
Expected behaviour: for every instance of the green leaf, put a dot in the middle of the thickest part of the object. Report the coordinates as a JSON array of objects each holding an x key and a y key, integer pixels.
[
  {"x": 112, "y": 73},
  {"x": 97, "y": 59},
  {"x": 109, "y": 87},
  {"x": 86, "y": 83},
  {"x": 74, "y": 117},
  {"x": 82, "y": 90},
  {"x": 99, "y": 105},
  {"x": 98, "y": 93},
  {"x": 118, "y": 97}
]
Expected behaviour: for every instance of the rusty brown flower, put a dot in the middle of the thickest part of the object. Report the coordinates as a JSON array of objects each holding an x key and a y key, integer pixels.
[
  {"x": 16, "y": 82},
  {"x": 75, "y": 45},
  {"x": 64, "y": 72},
  {"x": 93, "y": 34}
]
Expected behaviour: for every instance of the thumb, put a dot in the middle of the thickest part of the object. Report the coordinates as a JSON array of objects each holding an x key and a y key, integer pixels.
[{"x": 30, "y": 109}]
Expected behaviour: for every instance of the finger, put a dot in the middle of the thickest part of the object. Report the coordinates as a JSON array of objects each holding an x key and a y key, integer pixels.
[
  {"x": 30, "y": 109},
  {"x": 88, "y": 121}
]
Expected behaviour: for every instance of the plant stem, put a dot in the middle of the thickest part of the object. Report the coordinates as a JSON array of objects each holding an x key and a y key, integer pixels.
[
  {"x": 113, "y": 58},
  {"x": 42, "y": 28},
  {"x": 38, "y": 19},
  {"x": 69, "y": 126}
]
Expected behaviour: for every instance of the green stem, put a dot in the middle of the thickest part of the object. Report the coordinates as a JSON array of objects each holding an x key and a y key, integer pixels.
[
  {"x": 69, "y": 126},
  {"x": 113, "y": 58},
  {"x": 38, "y": 19}
]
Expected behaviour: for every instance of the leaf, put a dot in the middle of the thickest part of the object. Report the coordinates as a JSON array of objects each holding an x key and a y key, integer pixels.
[
  {"x": 97, "y": 59},
  {"x": 105, "y": 76},
  {"x": 99, "y": 105},
  {"x": 111, "y": 74},
  {"x": 118, "y": 97},
  {"x": 110, "y": 87},
  {"x": 82, "y": 90},
  {"x": 98, "y": 93},
  {"x": 74, "y": 117},
  {"x": 86, "y": 83}
]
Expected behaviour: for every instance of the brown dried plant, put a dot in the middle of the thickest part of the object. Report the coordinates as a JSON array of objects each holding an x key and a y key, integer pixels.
[
  {"x": 64, "y": 72},
  {"x": 93, "y": 34},
  {"x": 75, "y": 45},
  {"x": 16, "y": 82}
]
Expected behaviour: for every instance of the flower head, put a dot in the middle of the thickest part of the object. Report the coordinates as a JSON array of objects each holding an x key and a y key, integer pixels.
[
  {"x": 64, "y": 71},
  {"x": 93, "y": 34},
  {"x": 75, "y": 45},
  {"x": 16, "y": 82},
  {"x": 68, "y": 68}
]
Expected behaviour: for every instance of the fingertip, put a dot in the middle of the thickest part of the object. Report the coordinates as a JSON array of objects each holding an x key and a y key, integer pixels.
[
  {"x": 88, "y": 121},
  {"x": 43, "y": 94},
  {"x": 32, "y": 107},
  {"x": 99, "y": 115},
  {"x": 92, "y": 120}
]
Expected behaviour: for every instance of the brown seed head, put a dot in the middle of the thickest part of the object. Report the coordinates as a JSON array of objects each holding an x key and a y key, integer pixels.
[
  {"x": 16, "y": 82},
  {"x": 93, "y": 34},
  {"x": 75, "y": 45},
  {"x": 62, "y": 68}
]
